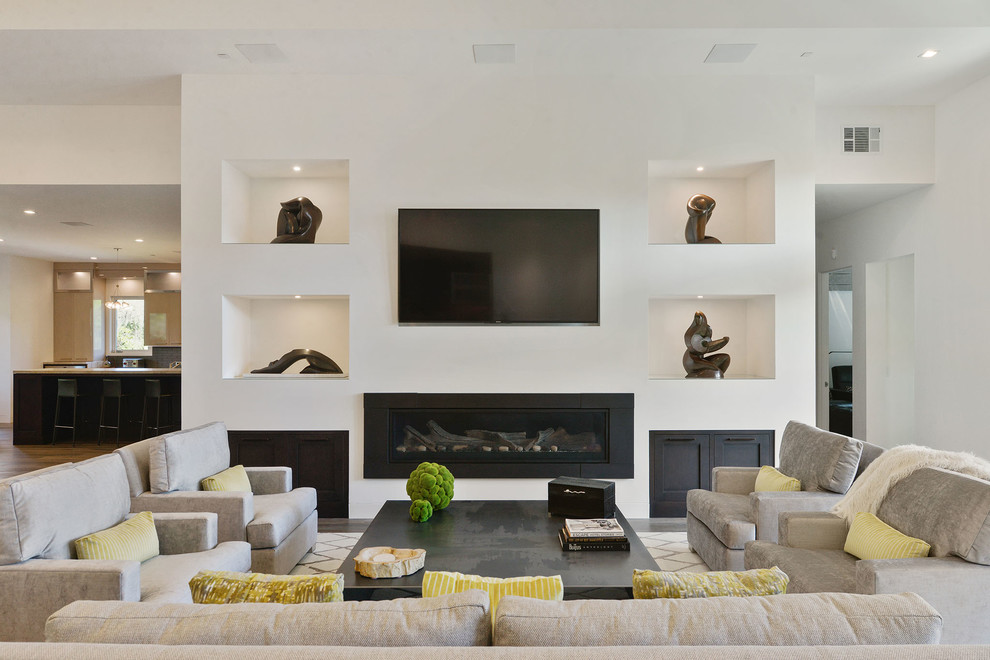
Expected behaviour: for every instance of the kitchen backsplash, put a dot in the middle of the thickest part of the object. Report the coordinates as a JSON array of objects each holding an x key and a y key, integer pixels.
[{"x": 161, "y": 357}]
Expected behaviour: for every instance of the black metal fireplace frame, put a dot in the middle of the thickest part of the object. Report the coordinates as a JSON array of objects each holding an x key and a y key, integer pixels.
[{"x": 618, "y": 463}]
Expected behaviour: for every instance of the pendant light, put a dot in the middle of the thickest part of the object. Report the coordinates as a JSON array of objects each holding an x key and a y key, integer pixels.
[{"x": 115, "y": 302}]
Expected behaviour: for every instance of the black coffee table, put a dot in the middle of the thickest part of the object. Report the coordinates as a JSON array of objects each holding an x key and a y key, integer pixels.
[{"x": 493, "y": 539}]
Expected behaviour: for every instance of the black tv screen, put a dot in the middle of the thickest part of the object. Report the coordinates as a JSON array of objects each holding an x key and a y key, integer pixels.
[{"x": 476, "y": 266}]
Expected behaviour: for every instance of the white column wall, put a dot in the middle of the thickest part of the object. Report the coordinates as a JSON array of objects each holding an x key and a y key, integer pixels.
[
  {"x": 945, "y": 227},
  {"x": 493, "y": 140},
  {"x": 25, "y": 321}
]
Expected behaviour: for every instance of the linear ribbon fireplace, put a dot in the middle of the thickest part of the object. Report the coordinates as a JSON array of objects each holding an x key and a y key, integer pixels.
[{"x": 499, "y": 435}]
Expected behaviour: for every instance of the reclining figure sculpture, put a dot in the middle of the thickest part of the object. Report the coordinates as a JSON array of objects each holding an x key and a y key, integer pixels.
[{"x": 318, "y": 363}]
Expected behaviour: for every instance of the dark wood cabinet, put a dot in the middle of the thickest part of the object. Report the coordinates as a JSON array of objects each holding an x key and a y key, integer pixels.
[
  {"x": 682, "y": 460},
  {"x": 318, "y": 459}
]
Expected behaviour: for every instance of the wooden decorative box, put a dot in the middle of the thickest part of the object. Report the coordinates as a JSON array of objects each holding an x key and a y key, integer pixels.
[{"x": 572, "y": 497}]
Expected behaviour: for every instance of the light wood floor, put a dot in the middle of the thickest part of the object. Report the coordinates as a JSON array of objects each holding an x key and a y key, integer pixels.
[{"x": 18, "y": 459}]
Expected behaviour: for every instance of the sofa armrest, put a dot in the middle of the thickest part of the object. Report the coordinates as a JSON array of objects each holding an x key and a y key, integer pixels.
[
  {"x": 34, "y": 589},
  {"x": 179, "y": 533},
  {"x": 767, "y": 507},
  {"x": 811, "y": 529},
  {"x": 269, "y": 480},
  {"x": 958, "y": 589},
  {"x": 734, "y": 480},
  {"x": 234, "y": 509}
]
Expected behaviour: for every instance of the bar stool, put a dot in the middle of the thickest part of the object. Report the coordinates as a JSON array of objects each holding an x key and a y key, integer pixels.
[
  {"x": 67, "y": 388},
  {"x": 111, "y": 392},
  {"x": 153, "y": 395}
]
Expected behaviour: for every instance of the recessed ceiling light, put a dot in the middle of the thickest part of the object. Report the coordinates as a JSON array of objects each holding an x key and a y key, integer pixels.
[
  {"x": 929, "y": 53},
  {"x": 139, "y": 240},
  {"x": 93, "y": 258},
  {"x": 298, "y": 297},
  {"x": 701, "y": 168},
  {"x": 28, "y": 211},
  {"x": 1, "y": 240},
  {"x": 296, "y": 168},
  {"x": 700, "y": 297}
]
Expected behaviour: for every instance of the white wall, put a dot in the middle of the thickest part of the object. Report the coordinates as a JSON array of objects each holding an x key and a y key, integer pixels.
[
  {"x": 25, "y": 321},
  {"x": 907, "y": 135},
  {"x": 89, "y": 144},
  {"x": 945, "y": 228},
  {"x": 496, "y": 140}
]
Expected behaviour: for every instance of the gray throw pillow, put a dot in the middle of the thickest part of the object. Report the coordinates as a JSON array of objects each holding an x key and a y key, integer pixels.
[{"x": 819, "y": 459}]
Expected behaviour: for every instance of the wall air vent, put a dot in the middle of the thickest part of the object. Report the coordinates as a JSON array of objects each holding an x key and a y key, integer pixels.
[{"x": 861, "y": 139}]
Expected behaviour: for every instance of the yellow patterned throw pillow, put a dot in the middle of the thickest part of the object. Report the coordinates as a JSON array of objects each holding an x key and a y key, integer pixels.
[
  {"x": 664, "y": 584},
  {"x": 218, "y": 587},
  {"x": 134, "y": 539},
  {"x": 232, "y": 479},
  {"x": 439, "y": 583},
  {"x": 871, "y": 538},
  {"x": 772, "y": 479}
]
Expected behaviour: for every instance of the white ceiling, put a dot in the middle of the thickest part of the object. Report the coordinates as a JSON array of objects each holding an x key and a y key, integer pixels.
[{"x": 109, "y": 52}]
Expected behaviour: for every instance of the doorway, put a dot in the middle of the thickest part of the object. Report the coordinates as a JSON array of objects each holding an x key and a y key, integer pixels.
[{"x": 839, "y": 339}]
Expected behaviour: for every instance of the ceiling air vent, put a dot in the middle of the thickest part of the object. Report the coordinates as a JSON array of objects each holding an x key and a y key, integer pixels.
[{"x": 861, "y": 139}]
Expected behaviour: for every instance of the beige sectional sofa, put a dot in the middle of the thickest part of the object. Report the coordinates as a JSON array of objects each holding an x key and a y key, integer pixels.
[
  {"x": 464, "y": 620},
  {"x": 42, "y": 513},
  {"x": 948, "y": 510}
]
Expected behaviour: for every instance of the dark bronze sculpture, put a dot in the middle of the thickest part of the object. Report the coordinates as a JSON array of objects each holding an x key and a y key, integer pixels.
[
  {"x": 698, "y": 340},
  {"x": 298, "y": 221},
  {"x": 699, "y": 210},
  {"x": 318, "y": 363}
]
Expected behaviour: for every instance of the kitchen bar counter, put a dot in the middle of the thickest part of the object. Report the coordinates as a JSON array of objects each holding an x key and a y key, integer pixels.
[
  {"x": 34, "y": 403},
  {"x": 103, "y": 371}
]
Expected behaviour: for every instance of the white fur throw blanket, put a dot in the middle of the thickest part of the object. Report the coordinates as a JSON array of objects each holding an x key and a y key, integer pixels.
[{"x": 869, "y": 489}]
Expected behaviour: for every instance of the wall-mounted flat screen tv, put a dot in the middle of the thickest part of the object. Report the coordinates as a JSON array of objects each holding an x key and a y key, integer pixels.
[{"x": 478, "y": 266}]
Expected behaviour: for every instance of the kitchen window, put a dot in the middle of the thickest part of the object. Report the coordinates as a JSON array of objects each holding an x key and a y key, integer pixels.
[{"x": 127, "y": 327}]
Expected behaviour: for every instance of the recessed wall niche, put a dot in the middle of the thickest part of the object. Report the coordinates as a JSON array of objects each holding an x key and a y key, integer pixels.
[
  {"x": 252, "y": 192},
  {"x": 748, "y": 322},
  {"x": 259, "y": 329},
  {"x": 743, "y": 194}
]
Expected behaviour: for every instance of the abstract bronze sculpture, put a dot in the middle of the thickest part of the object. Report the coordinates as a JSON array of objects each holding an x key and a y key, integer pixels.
[
  {"x": 318, "y": 363},
  {"x": 698, "y": 339},
  {"x": 699, "y": 210},
  {"x": 298, "y": 221}
]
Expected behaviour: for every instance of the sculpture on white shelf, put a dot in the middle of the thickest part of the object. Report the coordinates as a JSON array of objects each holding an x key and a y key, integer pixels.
[
  {"x": 298, "y": 221},
  {"x": 699, "y": 210},
  {"x": 699, "y": 342},
  {"x": 318, "y": 363}
]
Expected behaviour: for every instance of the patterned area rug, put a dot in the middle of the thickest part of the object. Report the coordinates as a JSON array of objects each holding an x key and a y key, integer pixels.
[{"x": 669, "y": 549}]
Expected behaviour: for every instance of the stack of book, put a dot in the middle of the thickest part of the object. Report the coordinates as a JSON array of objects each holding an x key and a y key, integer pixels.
[{"x": 593, "y": 534}]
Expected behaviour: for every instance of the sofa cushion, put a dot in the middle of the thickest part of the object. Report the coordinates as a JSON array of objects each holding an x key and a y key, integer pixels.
[
  {"x": 165, "y": 578},
  {"x": 180, "y": 460},
  {"x": 783, "y": 620},
  {"x": 950, "y": 511},
  {"x": 871, "y": 538},
  {"x": 43, "y": 513},
  {"x": 275, "y": 516},
  {"x": 135, "y": 539},
  {"x": 232, "y": 479},
  {"x": 727, "y": 516},
  {"x": 810, "y": 570},
  {"x": 233, "y": 587},
  {"x": 770, "y": 479},
  {"x": 819, "y": 459},
  {"x": 456, "y": 620},
  {"x": 668, "y": 584}
]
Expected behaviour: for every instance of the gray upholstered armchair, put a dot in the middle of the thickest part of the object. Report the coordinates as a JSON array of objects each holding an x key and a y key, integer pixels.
[
  {"x": 42, "y": 513},
  {"x": 721, "y": 521},
  {"x": 278, "y": 521},
  {"x": 947, "y": 510}
]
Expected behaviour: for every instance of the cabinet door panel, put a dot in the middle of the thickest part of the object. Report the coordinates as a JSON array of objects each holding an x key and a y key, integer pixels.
[
  {"x": 73, "y": 328},
  {"x": 743, "y": 449},
  {"x": 678, "y": 463}
]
